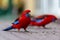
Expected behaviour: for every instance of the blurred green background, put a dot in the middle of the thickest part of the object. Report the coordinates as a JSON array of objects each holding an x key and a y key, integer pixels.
[{"x": 10, "y": 9}]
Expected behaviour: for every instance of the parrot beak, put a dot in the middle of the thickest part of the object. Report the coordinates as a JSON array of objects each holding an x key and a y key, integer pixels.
[{"x": 31, "y": 16}]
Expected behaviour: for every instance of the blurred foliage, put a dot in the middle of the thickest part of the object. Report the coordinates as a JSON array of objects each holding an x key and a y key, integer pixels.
[{"x": 6, "y": 6}]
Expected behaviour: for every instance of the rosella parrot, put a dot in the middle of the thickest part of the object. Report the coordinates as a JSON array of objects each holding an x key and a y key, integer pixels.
[
  {"x": 43, "y": 20},
  {"x": 21, "y": 22}
]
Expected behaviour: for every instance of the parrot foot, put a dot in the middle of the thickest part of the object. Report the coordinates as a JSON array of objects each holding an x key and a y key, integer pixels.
[
  {"x": 26, "y": 31},
  {"x": 44, "y": 27}
]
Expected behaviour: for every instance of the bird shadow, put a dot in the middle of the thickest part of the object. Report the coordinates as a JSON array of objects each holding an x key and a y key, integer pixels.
[
  {"x": 44, "y": 28},
  {"x": 23, "y": 32}
]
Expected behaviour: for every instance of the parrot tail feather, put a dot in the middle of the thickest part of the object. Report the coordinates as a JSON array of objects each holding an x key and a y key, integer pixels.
[{"x": 9, "y": 28}]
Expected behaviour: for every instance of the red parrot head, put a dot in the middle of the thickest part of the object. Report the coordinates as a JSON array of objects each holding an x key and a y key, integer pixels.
[{"x": 26, "y": 13}]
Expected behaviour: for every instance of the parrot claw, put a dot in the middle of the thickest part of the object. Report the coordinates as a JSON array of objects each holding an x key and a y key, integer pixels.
[{"x": 26, "y": 31}]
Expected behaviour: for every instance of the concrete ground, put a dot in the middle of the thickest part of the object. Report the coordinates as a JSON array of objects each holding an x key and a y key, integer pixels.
[{"x": 35, "y": 33}]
